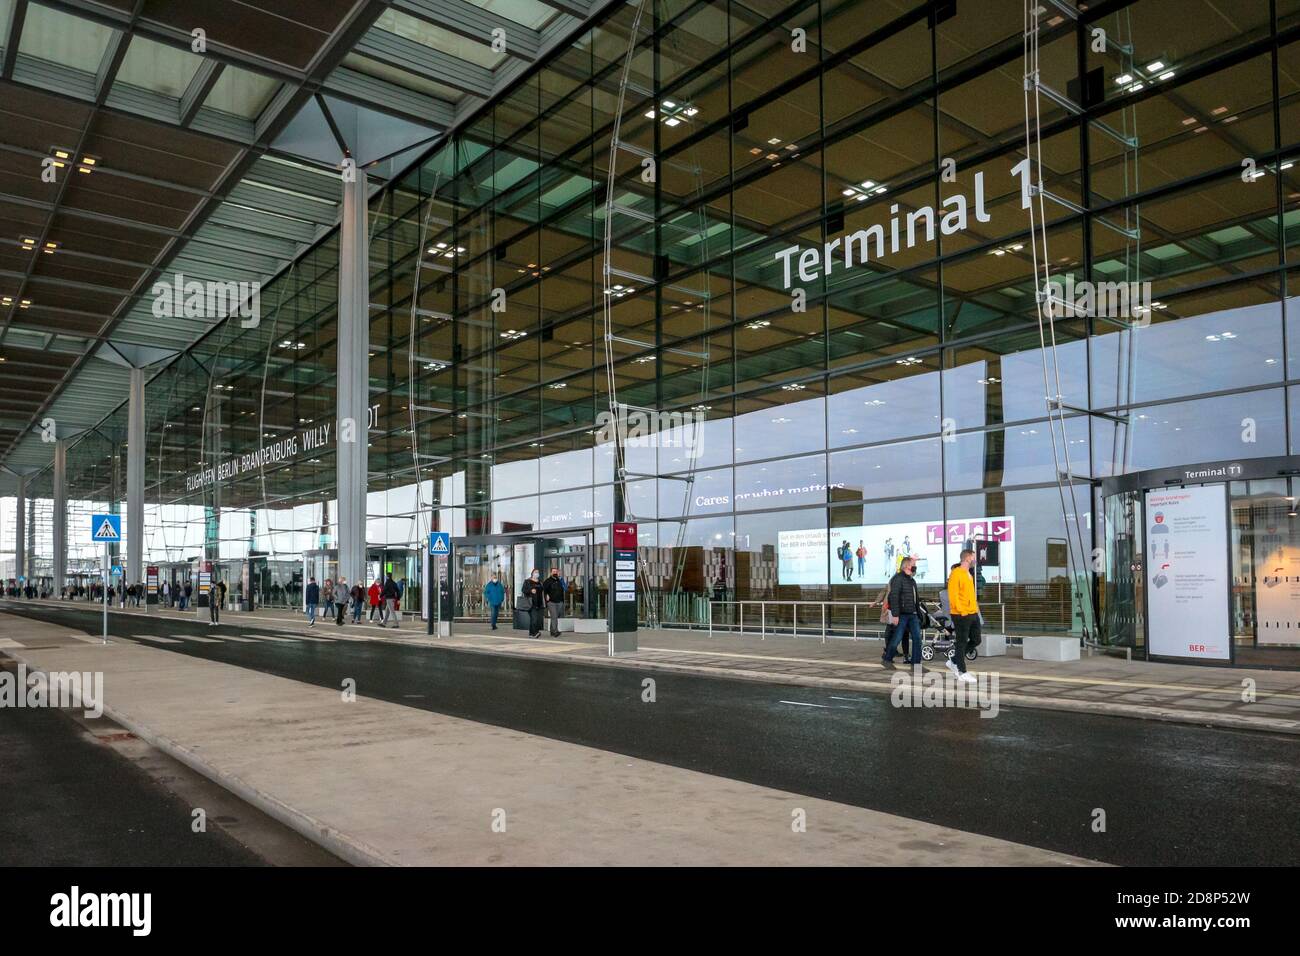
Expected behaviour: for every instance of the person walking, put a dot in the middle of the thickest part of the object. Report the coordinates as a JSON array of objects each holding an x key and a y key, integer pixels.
[
  {"x": 534, "y": 598},
  {"x": 553, "y": 589},
  {"x": 328, "y": 595},
  {"x": 312, "y": 597},
  {"x": 495, "y": 595},
  {"x": 358, "y": 596},
  {"x": 374, "y": 595},
  {"x": 391, "y": 594},
  {"x": 889, "y": 619},
  {"x": 340, "y": 600},
  {"x": 189, "y": 593},
  {"x": 904, "y": 603},
  {"x": 965, "y": 613},
  {"x": 216, "y": 598}
]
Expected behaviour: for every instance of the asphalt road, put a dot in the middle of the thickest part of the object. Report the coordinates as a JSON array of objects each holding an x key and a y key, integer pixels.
[
  {"x": 68, "y": 800},
  {"x": 1172, "y": 794}
]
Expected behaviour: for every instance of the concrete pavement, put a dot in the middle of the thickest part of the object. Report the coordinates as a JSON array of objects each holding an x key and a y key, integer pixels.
[{"x": 378, "y": 782}]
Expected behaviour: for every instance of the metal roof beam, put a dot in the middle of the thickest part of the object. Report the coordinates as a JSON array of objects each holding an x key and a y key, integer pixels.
[
  {"x": 200, "y": 86},
  {"x": 17, "y": 14},
  {"x": 426, "y": 62},
  {"x": 373, "y": 93}
]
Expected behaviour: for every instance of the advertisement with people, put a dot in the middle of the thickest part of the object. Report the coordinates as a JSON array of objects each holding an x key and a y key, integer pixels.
[{"x": 868, "y": 555}]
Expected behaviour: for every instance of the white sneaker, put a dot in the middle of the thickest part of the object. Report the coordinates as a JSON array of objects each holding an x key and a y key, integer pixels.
[
  {"x": 967, "y": 677},
  {"x": 951, "y": 666}
]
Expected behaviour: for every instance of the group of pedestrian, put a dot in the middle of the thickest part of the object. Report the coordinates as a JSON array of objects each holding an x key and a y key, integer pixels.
[
  {"x": 846, "y": 553},
  {"x": 538, "y": 595},
  {"x": 901, "y": 614},
  {"x": 337, "y": 599}
]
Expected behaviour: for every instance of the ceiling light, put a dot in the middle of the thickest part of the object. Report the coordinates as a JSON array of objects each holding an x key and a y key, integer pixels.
[
  {"x": 1167, "y": 75},
  {"x": 669, "y": 105},
  {"x": 24, "y": 303},
  {"x": 1124, "y": 78},
  {"x": 774, "y": 141},
  {"x": 650, "y": 114},
  {"x": 1155, "y": 66},
  {"x": 672, "y": 121}
]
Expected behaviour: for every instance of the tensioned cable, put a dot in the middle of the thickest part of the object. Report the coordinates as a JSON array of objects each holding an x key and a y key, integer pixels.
[{"x": 1047, "y": 329}]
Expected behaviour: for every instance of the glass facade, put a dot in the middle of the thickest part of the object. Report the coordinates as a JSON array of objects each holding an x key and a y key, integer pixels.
[{"x": 892, "y": 404}]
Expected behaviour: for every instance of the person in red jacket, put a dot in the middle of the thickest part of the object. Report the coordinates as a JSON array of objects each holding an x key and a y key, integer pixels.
[{"x": 373, "y": 596}]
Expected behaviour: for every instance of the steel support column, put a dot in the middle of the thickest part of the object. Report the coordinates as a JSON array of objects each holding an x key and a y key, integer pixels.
[
  {"x": 135, "y": 459},
  {"x": 20, "y": 532},
  {"x": 353, "y": 381},
  {"x": 59, "y": 519}
]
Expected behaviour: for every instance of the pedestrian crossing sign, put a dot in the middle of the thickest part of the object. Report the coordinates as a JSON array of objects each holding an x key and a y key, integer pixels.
[
  {"x": 106, "y": 527},
  {"x": 439, "y": 542}
]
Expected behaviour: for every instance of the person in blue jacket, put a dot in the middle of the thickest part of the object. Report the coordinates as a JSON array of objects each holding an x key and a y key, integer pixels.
[{"x": 495, "y": 594}]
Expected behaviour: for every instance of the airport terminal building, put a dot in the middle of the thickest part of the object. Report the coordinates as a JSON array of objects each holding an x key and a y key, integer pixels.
[{"x": 799, "y": 288}]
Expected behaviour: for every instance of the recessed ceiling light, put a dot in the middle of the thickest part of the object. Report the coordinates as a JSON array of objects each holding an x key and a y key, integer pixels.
[
  {"x": 1155, "y": 66},
  {"x": 1123, "y": 79}
]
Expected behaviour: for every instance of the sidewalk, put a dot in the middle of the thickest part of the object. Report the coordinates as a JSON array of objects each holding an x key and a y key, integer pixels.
[
  {"x": 1211, "y": 696},
  {"x": 380, "y": 783}
]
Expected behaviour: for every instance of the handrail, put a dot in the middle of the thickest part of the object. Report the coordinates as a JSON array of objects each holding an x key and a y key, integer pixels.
[{"x": 739, "y": 604}]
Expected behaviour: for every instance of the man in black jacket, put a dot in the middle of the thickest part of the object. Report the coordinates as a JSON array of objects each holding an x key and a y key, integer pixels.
[
  {"x": 391, "y": 595},
  {"x": 533, "y": 600},
  {"x": 553, "y": 589},
  {"x": 905, "y": 603}
]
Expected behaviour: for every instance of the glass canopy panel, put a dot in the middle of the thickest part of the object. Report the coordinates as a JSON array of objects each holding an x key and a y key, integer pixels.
[
  {"x": 241, "y": 93},
  {"x": 62, "y": 38},
  {"x": 6, "y": 7},
  {"x": 529, "y": 13},
  {"x": 162, "y": 69},
  {"x": 436, "y": 38}
]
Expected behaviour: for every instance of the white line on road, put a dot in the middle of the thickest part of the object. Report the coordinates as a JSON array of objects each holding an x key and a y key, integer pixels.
[{"x": 800, "y": 703}]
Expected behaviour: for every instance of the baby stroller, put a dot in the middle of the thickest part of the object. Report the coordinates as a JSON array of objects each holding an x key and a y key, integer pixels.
[{"x": 940, "y": 623}]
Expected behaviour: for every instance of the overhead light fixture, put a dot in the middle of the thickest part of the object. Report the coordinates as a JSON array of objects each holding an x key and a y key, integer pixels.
[
  {"x": 24, "y": 303},
  {"x": 87, "y": 164},
  {"x": 1123, "y": 79},
  {"x": 1167, "y": 75},
  {"x": 29, "y": 244},
  {"x": 50, "y": 247},
  {"x": 1155, "y": 66}
]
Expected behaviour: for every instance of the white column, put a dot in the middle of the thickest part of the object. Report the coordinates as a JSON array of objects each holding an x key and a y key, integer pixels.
[
  {"x": 135, "y": 463},
  {"x": 353, "y": 380},
  {"x": 20, "y": 536},
  {"x": 60, "y": 516}
]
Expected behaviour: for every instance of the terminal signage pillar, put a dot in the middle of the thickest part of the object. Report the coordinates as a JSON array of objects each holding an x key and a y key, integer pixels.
[
  {"x": 437, "y": 584},
  {"x": 622, "y": 588}
]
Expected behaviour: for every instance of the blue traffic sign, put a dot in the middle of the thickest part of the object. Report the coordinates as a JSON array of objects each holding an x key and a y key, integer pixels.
[
  {"x": 117, "y": 569},
  {"x": 440, "y": 542},
  {"x": 106, "y": 527}
]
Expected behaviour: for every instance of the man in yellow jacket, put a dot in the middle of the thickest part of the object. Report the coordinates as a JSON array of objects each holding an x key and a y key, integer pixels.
[{"x": 965, "y": 612}]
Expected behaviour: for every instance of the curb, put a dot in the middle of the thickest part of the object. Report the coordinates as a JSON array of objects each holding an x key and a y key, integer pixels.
[{"x": 346, "y": 848}]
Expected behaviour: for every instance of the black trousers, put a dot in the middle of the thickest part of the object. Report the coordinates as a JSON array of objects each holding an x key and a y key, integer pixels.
[
  {"x": 966, "y": 626},
  {"x": 339, "y": 609},
  {"x": 535, "y": 619},
  {"x": 214, "y": 609}
]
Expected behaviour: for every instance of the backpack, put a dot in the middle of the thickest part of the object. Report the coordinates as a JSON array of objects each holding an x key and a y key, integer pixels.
[{"x": 839, "y": 552}]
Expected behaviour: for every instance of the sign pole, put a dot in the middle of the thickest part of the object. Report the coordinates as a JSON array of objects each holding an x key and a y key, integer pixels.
[{"x": 105, "y": 594}]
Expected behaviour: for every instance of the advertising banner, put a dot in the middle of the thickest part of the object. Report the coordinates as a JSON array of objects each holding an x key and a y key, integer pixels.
[
  {"x": 1187, "y": 573},
  {"x": 868, "y": 555},
  {"x": 1277, "y": 577}
]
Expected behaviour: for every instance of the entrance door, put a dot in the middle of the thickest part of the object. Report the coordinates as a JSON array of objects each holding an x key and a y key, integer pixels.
[
  {"x": 472, "y": 568},
  {"x": 572, "y": 554},
  {"x": 323, "y": 565},
  {"x": 1122, "y": 597}
]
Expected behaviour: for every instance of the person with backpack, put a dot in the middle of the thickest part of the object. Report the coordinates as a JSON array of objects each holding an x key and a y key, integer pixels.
[
  {"x": 312, "y": 598},
  {"x": 495, "y": 595},
  {"x": 965, "y": 614},
  {"x": 373, "y": 594},
  {"x": 358, "y": 595},
  {"x": 905, "y": 603}
]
